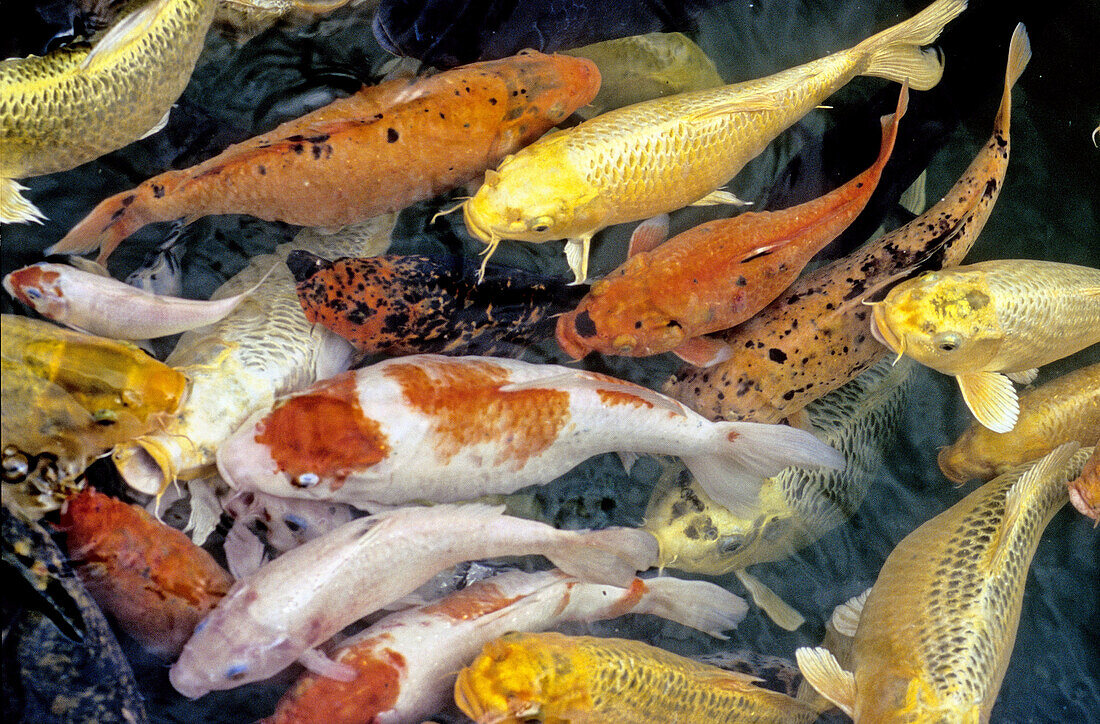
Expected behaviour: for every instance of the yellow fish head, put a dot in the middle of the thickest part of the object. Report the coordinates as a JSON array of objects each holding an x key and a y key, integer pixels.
[
  {"x": 514, "y": 204},
  {"x": 942, "y": 321}
]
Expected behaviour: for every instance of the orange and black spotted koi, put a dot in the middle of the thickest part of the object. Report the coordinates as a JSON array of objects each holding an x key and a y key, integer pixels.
[{"x": 400, "y": 305}]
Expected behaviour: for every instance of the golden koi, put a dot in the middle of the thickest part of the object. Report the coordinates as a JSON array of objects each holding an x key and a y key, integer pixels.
[
  {"x": 654, "y": 157},
  {"x": 550, "y": 677},
  {"x": 1064, "y": 409},
  {"x": 936, "y": 631},
  {"x": 991, "y": 323},
  {"x": 77, "y": 104}
]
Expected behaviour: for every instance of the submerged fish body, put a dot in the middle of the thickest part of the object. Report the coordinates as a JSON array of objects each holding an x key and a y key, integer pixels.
[
  {"x": 936, "y": 631},
  {"x": 148, "y": 576},
  {"x": 654, "y": 157},
  {"x": 75, "y": 104},
  {"x": 286, "y": 608},
  {"x": 263, "y": 348},
  {"x": 551, "y": 677},
  {"x": 795, "y": 507},
  {"x": 406, "y": 663},
  {"x": 814, "y": 337},
  {"x": 374, "y": 152},
  {"x": 715, "y": 275},
  {"x": 445, "y": 429},
  {"x": 429, "y": 304},
  {"x": 984, "y": 321},
  {"x": 1064, "y": 409}
]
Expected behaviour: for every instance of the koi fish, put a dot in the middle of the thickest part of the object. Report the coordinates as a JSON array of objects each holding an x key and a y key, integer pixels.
[
  {"x": 551, "y": 677},
  {"x": 715, "y": 275},
  {"x": 399, "y": 305},
  {"x": 302, "y": 598},
  {"x": 1064, "y": 409},
  {"x": 1084, "y": 492},
  {"x": 654, "y": 157},
  {"x": 76, "y": 104},
  {"x": 423, "y": 136},
  {"x": 935, "y": 633},
  {"x": 100, "y": 305},
  {"x": 405, "y": 664},
  {"x": 814, "y": 337},
  {"x": 149, "y": 577},
  {"x": 160, "y": 272},
  {"x": 992, "y": 323},
  {"x": 287, "y": 523},
  {"x": 446, "y": 429},
  {"x": 262, "y": 349}
]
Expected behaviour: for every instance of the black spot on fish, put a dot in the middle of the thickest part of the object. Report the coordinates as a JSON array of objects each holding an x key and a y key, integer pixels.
[
  {"x": 320, "y": 138},
  {"x": 584, "y": 325},
  {"x": 128, "y": 200},
  {"x": 392, "y": 135},
  {"x": 298, "y": 148},
  {"x": 990, "y": 188},
  {"x": 741, "y": 281},
  {"x": 317, "y": 151},
  {"x": 777, "y": 355},
  {"x": 492, "y": 101},
  {"x": 262, "y": 169},
  {"x": 158, "y": 191}
]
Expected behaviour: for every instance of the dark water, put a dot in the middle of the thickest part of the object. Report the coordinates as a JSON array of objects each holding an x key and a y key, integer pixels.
[{"x": 1047, "y": 210}]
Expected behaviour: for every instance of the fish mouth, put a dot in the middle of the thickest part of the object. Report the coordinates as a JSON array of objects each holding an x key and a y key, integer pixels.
[
  {"x": 474, "y": 226},
  {"x": 880, "y": 329}
]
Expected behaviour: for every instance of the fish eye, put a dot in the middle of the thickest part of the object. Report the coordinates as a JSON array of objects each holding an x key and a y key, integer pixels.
[
  {"x": 542, "y": 223},
  {"x": 305, "y": 480},
  {"x": 32, "y": 293},
  {"x": 236, "y": 672},
  {"x": 947, "y": 342},
  {"x": 728, "y": 544}
]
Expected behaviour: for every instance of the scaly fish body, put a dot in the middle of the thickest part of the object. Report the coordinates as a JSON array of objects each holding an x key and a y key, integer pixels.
[
  {"x": 150, "y": 577},
  {"x": 264, "y": 348},
  {"x": 814, "y": 338},
  {"x": 982, "y": 321},
  {"x": 411, "y": 304},
  {"x": 1064, "y": 409},
  {"x": 445, "y": 429},
  {"x": 650, "y": 158},
  {"x": 307, "y": 595},
  {"x": 553, "y": 678},
  {"x": 405, "y": 664},
  {"x": 715, "y": 275},
  {"x": 76, "y": 104},
  {"x": 375, "y": 152},
  {"x": 797, "y": 506},
  {"x": 937, "y": 629}
]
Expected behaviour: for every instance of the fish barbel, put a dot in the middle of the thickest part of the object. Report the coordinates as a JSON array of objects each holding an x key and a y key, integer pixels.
[
  {"x": 814, "y": 338},
  {"x": 291, "y": 605},
  {"x": 551, "y": 677},
  {"x": 989, "y": 323},
  {"x": 654, "y": 157},
  {"x": 263, "y": 348},
  {"x": 76, "y": 104},
  {"x": 371, "y": 153},
  {"x": 1064, "y": 409},
  {"x": 936, "y": 631},
  {"x": 406, "y": 663},
  {"x": 444, "y": 429},
  {"x": 715, "y": 275}
]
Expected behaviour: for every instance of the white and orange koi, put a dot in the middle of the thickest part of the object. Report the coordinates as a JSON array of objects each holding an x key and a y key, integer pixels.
[
  {"x": 405, "y": 664},
  {"x": 301, "y": 599},
  {"x": 444, "y": 429}
]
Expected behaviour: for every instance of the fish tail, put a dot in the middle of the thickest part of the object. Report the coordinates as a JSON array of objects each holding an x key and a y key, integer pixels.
[
  {"x": 744, "y": 453},
  {"x": 14, "y": 209},
  {"x": 897, "y": 53},
  {"x": 1019, "y": 54},
  {"x": 611, "y": 556},
  {"x": 701, "y": 605}
]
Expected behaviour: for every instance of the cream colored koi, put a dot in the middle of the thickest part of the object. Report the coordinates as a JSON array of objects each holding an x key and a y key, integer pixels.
[
  {"x": 990, "y": 323},
  {"x": 549, "y": 677},
  {"x": 74, "y": 104},
  {"x": 653, "y": 157},
  {"x": 935, "y": 634},
  {"x": 1059, "y": 411}
]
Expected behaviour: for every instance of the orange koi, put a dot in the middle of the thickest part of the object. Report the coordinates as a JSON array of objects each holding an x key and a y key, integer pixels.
[
  {"x": 715, "y": 275},
  {"x": 375, "y": 152},
  {"x": 1084, "y": 492}
]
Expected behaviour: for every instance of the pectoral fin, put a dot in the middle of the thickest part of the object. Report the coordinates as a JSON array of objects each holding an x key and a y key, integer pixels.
[
  {"x": 14, "y": 209},
  {"x": 846, "y": 616},
  {"x": 87, "y": 265},
  {"x": 823, "y": 672},
  {"x": 126, "y": 30},
  {"x": 769, "y": 602},
  {"x": 648, "y": 235},
  {"x": 992, "y": 399},
  {"x": 322, "y": 665},
  {"x": 159, "y": 124},
  {"x": 716, "y": 198},
  {"x": 576, "y": 255},
  {"x": 1023, "y": 378},
  {"x": 703, "y": 351}
]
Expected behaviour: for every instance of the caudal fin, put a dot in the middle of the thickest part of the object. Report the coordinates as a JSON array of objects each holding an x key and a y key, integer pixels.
[
  {"x": 897, "y": 53},
  {"x": 14, "y": 209},
  {"x": 700, "y": 605},
  {"x": 1019, "y": 54},
  {"x": 744, "y": 453},
  {"x": 611, "y": 556}
]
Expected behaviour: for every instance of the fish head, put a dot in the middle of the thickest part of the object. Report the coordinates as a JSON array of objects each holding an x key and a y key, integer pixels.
[
  {"x": 945, "y": 321},
  {"x": 40, "y": 287},
  {"x": 552, "y": 86}
]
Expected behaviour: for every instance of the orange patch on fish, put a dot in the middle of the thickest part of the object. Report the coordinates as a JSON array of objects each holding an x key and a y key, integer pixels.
[
  {"x": 31, "y": 277},
  {"x": 618, "y": 397},
  {"x": 470, "y": 603},
  {"x": 323, "y": 432},
  {"x": 467, "y": 408},
  {"x": 627, "y": 603}
]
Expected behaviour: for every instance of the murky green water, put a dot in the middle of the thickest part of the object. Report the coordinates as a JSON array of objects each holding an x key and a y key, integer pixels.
[{"x": 1048, "y": 210}]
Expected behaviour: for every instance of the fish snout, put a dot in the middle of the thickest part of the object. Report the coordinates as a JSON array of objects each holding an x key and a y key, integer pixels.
[
  {"x": 477, "y": 221},
  {"x": 568, "y": 334},
  {"x": 881, "y": 331},
  {"x": 303, "y": 265}
]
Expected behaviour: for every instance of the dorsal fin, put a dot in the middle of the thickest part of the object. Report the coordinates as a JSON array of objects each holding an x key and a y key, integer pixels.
[
  {"x": 845, "y": 617},
  {"x": 1029, "y": 484}
]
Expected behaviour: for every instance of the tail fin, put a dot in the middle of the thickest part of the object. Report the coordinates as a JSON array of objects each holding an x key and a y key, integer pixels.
[
  {"x": 611, "y": 556},
  {"x": 1019, "y": 54},
  {"x": 896, "y": 53},
  {"x": 744, "y": 453},
  {"x": 14, "y": 209},
  {"x": 701, "y": 605}
]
